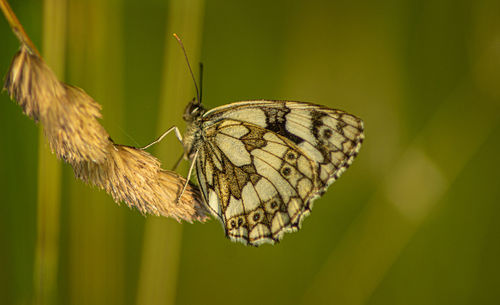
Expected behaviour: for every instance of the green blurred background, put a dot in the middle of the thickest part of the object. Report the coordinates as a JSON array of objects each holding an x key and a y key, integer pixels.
[{"x": 413, "y": 221}]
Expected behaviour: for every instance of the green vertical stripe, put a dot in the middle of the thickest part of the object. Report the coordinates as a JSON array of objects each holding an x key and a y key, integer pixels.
[
  {"x": 49, "y": 168},
  {"x": 162, "y": 237}
]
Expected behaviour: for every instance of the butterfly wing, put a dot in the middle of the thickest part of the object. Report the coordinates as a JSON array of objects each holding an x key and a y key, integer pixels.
[
  {"x": 257, "y": 182},
  {"x": 331, "y": 138},
  {"x": 262, "y": 163}
]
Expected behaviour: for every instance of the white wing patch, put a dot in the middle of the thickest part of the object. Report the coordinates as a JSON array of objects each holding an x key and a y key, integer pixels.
[
  {"x": 269, "y": 157},
  {"x": 236, "y": 131},
  {"x": 233, "y": 149},
  {"x": 213, "y": 202},
  {"x": 265, "y": 189},
  {"x": 299, "y": 123},
  {"x": 313, "y": 153},
  {"x": 283, "y": 187},
  {"x": 253, "y": 115},
  {"x": 234, "y": 208},
  {"x": 304, "y": 167},
  {"x": 251, "y": 200},
  {"x": 272, "y": 138}
]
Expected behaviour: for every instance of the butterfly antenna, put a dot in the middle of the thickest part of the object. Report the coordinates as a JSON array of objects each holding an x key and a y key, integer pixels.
[
  {"x": 201, "y": 81},
  {"x": 189, "y": 66}
]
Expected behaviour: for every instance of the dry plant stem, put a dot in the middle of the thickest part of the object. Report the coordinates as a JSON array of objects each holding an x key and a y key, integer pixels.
[
  {"x": 17, "y": 28},
  {"x": 70, "y": 120}
]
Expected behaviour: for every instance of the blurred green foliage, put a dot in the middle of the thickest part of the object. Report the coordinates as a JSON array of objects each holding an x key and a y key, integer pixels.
[{"x": 413, "y": 221}]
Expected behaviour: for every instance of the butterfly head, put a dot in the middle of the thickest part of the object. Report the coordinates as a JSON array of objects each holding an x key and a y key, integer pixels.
[
  {"x": 192, "y": 115},
  {"x": 193, "y": 111}
]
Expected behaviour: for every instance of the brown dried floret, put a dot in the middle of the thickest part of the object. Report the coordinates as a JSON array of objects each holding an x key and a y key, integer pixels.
[
  {"x": 134, "y": 176},
  {"x": 68, "y": 114}
]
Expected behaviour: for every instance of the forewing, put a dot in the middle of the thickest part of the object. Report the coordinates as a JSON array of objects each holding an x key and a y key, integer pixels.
[
  {"x": 257, "y": 182},
  {"x": 330, "y": 138}
]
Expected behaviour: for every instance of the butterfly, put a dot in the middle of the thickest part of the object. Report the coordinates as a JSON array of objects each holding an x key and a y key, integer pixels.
[{"x": 260, "y": 164}]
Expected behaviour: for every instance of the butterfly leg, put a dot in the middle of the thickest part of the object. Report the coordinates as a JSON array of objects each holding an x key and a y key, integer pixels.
[
  {"x": 178, "y": 162},
  {"x": 173, "y": 128},
  {"x": 193, "y": 162}
]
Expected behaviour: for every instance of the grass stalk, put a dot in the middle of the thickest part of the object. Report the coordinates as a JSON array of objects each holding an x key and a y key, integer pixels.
[
  {"x": 97, "y": 234},
  {"x": 162, "y": 237},
  {"x": 49, "y": 168}
]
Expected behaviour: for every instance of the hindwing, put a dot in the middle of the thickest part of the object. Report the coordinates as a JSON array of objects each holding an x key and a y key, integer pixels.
[{"x": 257, "y": 182}]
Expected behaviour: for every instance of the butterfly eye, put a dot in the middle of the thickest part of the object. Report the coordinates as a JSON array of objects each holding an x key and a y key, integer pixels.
[{"x": 193, "y": 110}]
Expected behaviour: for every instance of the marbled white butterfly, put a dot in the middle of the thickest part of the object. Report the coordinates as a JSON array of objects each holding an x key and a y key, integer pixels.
[{"x": 261, "y": 164}]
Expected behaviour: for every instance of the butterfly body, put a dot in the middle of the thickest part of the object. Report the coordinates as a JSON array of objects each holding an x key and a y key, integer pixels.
[{"x": 260, "y": 164}]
